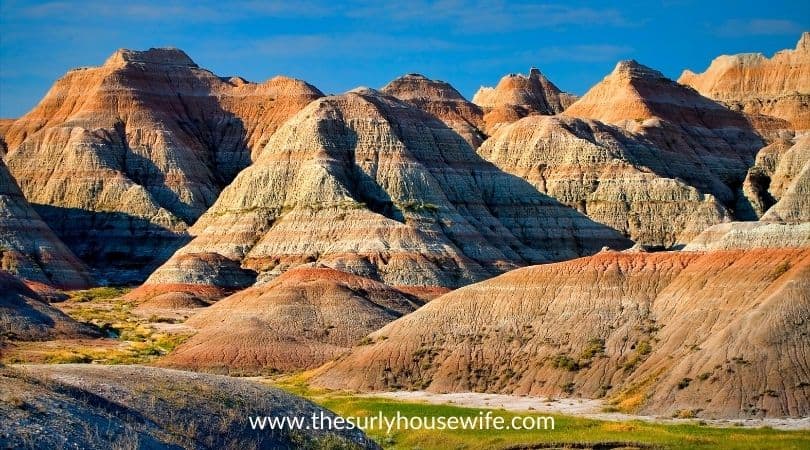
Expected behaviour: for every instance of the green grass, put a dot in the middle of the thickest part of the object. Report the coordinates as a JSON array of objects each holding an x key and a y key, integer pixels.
[{"x": 567, "y": 429}]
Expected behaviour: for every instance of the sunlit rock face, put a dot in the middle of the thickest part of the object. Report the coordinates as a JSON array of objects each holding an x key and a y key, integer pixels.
[
  {"x": 120, "y": 159},
  {"x": 778, "y": 86}
]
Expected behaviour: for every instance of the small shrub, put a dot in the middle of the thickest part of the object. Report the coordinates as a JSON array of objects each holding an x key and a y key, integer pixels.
[
  {"x": 563, "y": 361},
  {"x": 704, "y": 376},
  {"x": 684, "y": 383}
]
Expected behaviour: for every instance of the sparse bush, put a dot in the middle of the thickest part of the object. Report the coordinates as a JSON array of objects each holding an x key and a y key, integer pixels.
[{"x": 684, "y": 383}]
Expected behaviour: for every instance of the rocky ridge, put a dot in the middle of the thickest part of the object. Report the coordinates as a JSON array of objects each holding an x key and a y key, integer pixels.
[{"x": 778, "y": 86}]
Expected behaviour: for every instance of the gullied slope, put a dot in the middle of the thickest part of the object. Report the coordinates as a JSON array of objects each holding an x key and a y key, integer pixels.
[
  {"x": 28, "y": 248},
  {"x": 717, "y": 333},
  {"x": 370, "y": 185},
  {"x": 102, "y": 407},
  {"x": 751, "y": 82},
  {"x": 616, "y": 177},
  {"x": 26, "y": 316},
  {"x": 300, "y": 320},
  {"x": 518, "y": 96},
  {"x": 443, "y": 101},
  {"x": 119, "y": 159}
]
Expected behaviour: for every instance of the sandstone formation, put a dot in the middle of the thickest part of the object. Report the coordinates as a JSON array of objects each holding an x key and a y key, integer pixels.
[
  {"x": 518, "y": 96},
  {"x": 616, "y": 177},
  {"x": 443, "y": 101},
  {"x": 27, "y": 316},
  {"x": 104, "y": 407},
  {"x": 717, "y": 334},
  {"x": 370, "y": 185},
  {"x": 5, "y": 124},
  {"x": 28, "y": 248},
  {"x": 751, "y": 82},
  {"x": 300, "y": 320},
  {"x": 120, "y": 159}
]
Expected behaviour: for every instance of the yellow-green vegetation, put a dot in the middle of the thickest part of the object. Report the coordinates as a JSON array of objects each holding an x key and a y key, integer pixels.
[
  {"x": 568, "y": 430},
  {"x": 131, "y": 339}
]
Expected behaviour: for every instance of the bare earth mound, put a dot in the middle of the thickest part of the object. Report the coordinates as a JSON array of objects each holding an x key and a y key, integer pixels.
[
  {"x": 102, "y": 407},
  {"x": 26, "y": 316},
  {"x": 719, "y": 334},
  {"x": 298, "y": 321}
]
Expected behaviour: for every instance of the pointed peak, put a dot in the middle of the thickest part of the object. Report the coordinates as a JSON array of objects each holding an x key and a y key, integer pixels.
[
  {"x": 168, "y": 56},
  {"x": 804, "y": 42},
  {"x": 634, "y": 69}
]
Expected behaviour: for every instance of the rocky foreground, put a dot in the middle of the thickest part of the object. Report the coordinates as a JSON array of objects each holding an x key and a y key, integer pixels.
[{"x": 101, "y": 407}]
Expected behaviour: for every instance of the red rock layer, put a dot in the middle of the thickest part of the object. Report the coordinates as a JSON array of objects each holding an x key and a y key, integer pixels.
[
  {"x": 368, "y": 184},
  {"x": 28, "y": 248},
  {"x": 518, "y": 96},
  {"x": 443, "y": 101},
  {"x": 119, "y": 159},
  {"x": 300, "y": 320},
  {"x": 717, "y": 333},
  {"x": 751, "y": 82}
]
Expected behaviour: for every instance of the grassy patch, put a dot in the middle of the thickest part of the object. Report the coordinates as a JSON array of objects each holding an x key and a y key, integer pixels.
[
  {"x": 568, "y": 430},
  {"x": 131, "y": 339}
]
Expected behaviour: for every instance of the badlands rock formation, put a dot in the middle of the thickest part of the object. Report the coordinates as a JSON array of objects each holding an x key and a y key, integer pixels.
[
  {"x": 26, "y": 316},
  {"x": 370, "y": 185},
  {"x": 120, "y": 159},
  {"x": 300, "y": 320},
  {"x": 751, "y": 82},
  {"x": 616, "y": 177},
  {"x": 718, "y": 334},
  {"x": 518, "y": 96},
  {"x": 103, "y": 407},
  {"x": 443, "y": 101},
  {"x": 28, "y": 248},
  {"x": 638, "y": 152}
]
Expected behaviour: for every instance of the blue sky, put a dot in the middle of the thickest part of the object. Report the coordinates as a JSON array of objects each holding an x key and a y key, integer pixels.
[{"x": 340, "y": 46}]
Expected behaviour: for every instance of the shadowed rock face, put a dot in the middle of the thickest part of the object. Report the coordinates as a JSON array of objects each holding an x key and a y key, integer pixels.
[
  {"x": 518, "y": 96},
  {"x": 717, "y": 332},
  {"x": 102, "y": 407},
  {"x": 28, "y": 248},
  {"x": 443, "y": 101},
  {"x": 27, "y": 316},
  {"x": 300, "y": 320},
  {"x": 120, "y": 159},
  {"x": 755, "y": 84},
  {"x": 370, "y": 185}
]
